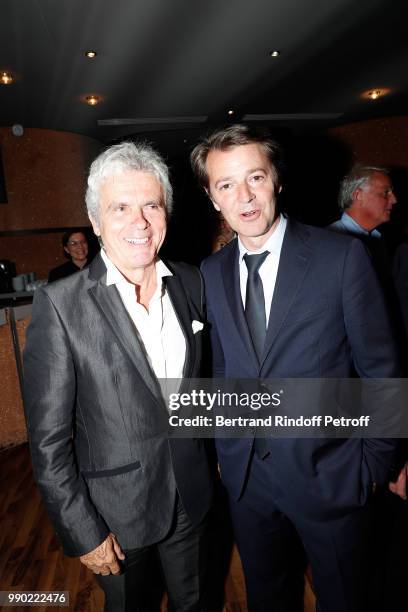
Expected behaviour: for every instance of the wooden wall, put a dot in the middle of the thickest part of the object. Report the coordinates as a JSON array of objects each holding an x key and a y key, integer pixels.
[
  {"x": 377, "y": 141},
  {"x": 12, "y": 423},
  {"x": 45, "y": 174}
]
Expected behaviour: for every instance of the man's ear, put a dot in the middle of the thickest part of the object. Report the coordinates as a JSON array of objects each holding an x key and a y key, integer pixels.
[
  {"x": 207, "y": 191},
  {"x": 66, "y": 250},
  {"x": 357, "y": 194},
  {"x": 95, "y": 226}
]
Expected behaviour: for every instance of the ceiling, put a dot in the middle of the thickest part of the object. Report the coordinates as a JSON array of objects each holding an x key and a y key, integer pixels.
[{"x": 174, "y": 67}]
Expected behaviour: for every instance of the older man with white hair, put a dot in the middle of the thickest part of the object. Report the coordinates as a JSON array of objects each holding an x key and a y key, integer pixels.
[
  {"x": 366, "y": 199},
  {"x": 120, "y": 493}
]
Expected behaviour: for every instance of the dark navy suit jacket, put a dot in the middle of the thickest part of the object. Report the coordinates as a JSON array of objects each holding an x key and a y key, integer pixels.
[{"x": 327, "y": 320}]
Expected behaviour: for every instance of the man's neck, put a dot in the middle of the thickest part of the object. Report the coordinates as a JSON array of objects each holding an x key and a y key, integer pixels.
[
  {"x": 361, "y": 218},
  {"x": 255, "y": 243},
  {"x": 145, "y": 281},
  {"x": 146, "y": 289}
]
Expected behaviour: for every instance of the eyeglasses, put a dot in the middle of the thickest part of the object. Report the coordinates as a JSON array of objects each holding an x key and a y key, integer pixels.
[{"x": 76, "y": 243}]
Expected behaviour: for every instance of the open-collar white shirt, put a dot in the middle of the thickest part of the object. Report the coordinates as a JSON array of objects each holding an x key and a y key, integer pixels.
[{"x": 158, "y": 328}]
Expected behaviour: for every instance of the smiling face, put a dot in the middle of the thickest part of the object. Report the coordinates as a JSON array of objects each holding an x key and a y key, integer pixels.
[
  {"x": 375, "y": 201},
  {"x": 132, "y": 222},
  {"x": 77, "y": 248},
  {"x": 243, "y": 186}
]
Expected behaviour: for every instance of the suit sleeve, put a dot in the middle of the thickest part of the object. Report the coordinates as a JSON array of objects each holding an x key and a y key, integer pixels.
[
  {"x": 400, "y": 274},
  {"x": 49, "y": 400},
  {"x": 374, "y": 355}
]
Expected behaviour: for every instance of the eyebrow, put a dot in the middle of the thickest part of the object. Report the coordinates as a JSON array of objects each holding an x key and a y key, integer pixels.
[
  {"x": 230, "y": 178},
  {"x": 158, "y": 202},
  {"x": 118, "y": 203}
]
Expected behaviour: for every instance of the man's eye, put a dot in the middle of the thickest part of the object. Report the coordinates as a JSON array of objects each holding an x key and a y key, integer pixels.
[
  {"x": 225, "y": 186},
  {"x": 257, "y": 177},
  {"x": 120, "y": 208}
]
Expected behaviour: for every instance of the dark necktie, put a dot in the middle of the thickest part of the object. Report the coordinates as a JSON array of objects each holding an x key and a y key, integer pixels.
[{"x": 255, "y": 302}]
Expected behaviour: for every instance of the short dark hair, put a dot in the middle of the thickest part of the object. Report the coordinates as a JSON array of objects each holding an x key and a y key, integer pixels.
[
  {"x": 232, "y": 136},
  {"x": 67, "y": 235}
]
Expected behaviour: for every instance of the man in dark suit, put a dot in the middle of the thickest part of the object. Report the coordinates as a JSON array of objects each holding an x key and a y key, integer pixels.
[
  {"x": 286, "y": 300},
  {"x": 367, "y": 198},
  {"x": 119, "y": 492}
]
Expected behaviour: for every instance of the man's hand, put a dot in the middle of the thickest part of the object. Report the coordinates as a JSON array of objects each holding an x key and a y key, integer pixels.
[
  {"x": 104, "y": 559},
  {"x": 399, "y": 487}
]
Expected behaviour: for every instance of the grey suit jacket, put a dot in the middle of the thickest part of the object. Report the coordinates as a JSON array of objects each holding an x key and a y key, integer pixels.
[{"x": 96, "y": 420}]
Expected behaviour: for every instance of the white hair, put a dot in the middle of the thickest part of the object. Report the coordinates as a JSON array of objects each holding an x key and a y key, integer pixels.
[
  {"x": 121, "y": 158},
  {"x": 359, "y": 177}
]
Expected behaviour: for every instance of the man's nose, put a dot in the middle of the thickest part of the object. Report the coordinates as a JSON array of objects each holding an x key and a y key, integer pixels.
[
  {"x": 244, "y": 193},
  {"x": 139, "y": 219},
  {"x": 391, "y": 198}
]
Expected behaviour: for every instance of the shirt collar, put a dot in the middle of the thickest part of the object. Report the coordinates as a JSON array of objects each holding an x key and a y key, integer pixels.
[
  {"x": 352, "y": 226},
  {"x": 115, "y": 277},
  {"x": 273, "y": 244}
]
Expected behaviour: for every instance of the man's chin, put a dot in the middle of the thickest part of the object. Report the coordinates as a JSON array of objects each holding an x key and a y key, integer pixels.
[{"x": 259, "y": 233}]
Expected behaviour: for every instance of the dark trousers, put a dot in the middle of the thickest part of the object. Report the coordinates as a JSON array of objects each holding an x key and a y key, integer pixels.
[
  {"x": 274, "y": 539},
  {"x": 179, "y": 560},
  {"x": 388, "y": 553}
]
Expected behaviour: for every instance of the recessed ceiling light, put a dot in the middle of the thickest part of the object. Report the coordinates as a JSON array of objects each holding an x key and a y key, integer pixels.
[
  {"x": 92, "y": 100},
  {"x": 274, "y": 53},
  {"x": 17, "y": 129},
  {"x": 376, "y": 93},
  {"x": 6, "y": 78},
  {"x": 231, "y": 112},
  {"x": 91, "y": 54}
]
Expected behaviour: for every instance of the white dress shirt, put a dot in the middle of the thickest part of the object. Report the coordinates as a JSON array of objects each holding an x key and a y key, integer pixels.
[
  {"x": 269, "y": 268},
  {"x": 158, "y": 327}
]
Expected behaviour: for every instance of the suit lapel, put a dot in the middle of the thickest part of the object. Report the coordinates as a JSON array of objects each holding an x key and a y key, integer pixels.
[
  {"x": 293, "y": 264},
  {"x": 179, "y": 301},
  {"x": 233, "y": 297},
  {"x": 111, "y": 307}
]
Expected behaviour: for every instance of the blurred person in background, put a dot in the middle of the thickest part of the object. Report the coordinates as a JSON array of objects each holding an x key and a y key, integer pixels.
[{"x": 75, "y": 245}]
